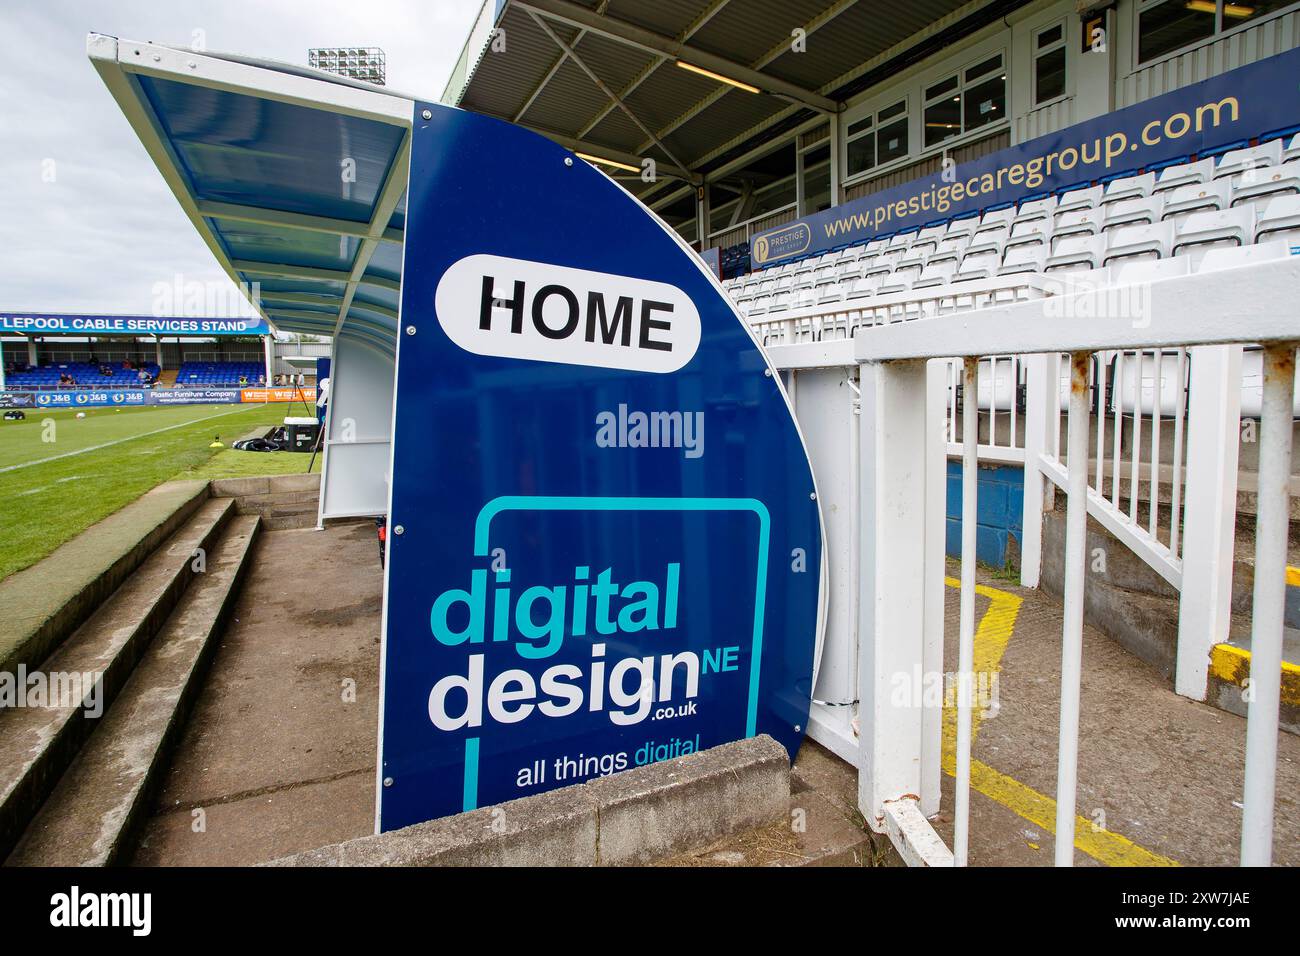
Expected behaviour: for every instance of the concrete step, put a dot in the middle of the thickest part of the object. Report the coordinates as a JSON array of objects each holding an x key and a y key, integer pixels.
[
  {"x": 37, "y": 743},
  {"x": 281, "y": 502},
  {"x": 1230, "y": 668},
  {"x": 90, "y": 815},
  {"x": 41, "y": 605}
]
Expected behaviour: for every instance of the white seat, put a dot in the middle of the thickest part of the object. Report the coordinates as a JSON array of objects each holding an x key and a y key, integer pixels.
[
  {"x": 1036, "y": 232},
  {"x": 1238, "y": 162},
  {"x": 1073, "y": 253},
  {"x": 831, "y": 292},
  {"x": 1136, "y": 270},
  {"x": 1023, "y": 259},
  {"x": 1292, "y": 149},
  {"x": 1183, "y": 174},
  {"x": 1078, "y": 222},
  {"x": 1196, "y": 197},
  {"x": 936, "y": 273},
  {"x": 1279, "y": 220},
  {"x": 1230, "y": 257},
  {"x": 1202, "y": 230},
  {"x": 949, "y": 248},
  {"x": 1158, "y": 377},
  {"x": 1129, "y": 212},
  {"x": 1143, "y": 240},
  {"x": 1129, "y": 187},
  {"x": 1075, "y": 199},
  {"x": 781, "y": 302},
  {"x": 981, "y": 264},
  {"x": 900, "y": 240},
  {"x": 995, "y": 220},
  {"x": 927, "y": 239},
  {"x": 1036, "y": 209},
  {"x": 864, "y": 287},
  {"x": 962, "y": 227},
  {"x": 1262, "y": 184},
  {"x": 1252, "y": 385},
  {"x": 758, "y": 305}
]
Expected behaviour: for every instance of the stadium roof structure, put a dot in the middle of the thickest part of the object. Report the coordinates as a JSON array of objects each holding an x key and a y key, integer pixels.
[
  {"x": 295, "y": 178},
  {"x": 602, "y": 76}
]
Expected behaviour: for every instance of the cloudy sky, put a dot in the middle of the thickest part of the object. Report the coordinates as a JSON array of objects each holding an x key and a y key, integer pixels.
[{"x": 106, "y": 229}]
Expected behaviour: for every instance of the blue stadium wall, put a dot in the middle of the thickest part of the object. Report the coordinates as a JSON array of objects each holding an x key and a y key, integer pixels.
[{"x": 999, "y": 515}]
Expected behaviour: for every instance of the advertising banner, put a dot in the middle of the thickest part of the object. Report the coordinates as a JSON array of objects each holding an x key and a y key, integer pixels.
[
  {"x": 605, "y": 544},
  {"x": 41, "y": 323},
  {"x": 1235, "y": 106}
]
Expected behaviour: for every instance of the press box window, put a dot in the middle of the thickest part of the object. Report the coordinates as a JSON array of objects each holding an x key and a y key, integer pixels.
[
  {"x": 1049, "y": 64},
  {"x": 877, "y": 139},
  {"x": 1168, "y": 25},
  {"x": 973, "y": 98}
]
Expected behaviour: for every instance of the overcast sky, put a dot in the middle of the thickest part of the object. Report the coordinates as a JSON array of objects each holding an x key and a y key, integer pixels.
[{"x": 100, "y": 236}]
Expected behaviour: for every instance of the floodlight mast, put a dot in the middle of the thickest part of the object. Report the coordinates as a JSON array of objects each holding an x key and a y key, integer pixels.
[{"x": 355, "y": 62}]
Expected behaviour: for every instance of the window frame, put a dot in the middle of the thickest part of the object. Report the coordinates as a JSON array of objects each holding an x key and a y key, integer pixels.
[
  {"x": 1037, "y": 52},
  {"x": 964, "y": 84},
  {"x": 1219, "y": 33},
  {"x": 893, "y": 102}
]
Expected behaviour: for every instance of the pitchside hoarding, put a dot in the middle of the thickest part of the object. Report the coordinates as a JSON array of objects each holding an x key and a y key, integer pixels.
[
  {"x": 1233, "y": 107},
  {"x": 604, "y": 545}
]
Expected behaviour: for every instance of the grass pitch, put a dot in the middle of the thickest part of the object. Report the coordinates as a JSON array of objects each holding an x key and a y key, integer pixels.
[{"x": 60, "y": 474}]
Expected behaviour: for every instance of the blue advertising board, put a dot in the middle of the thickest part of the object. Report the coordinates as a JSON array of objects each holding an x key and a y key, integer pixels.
[
  {"x": 45, "y": 323},
  {"x": 1230, "y": 108},
  {"x": 88, "y": 398},
  {"x": 99, "y": 398},
  {"x": 605, "y": 544}
]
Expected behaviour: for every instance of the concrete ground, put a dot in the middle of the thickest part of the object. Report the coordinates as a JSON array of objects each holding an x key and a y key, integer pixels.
[
  {"x": 279, "y": 757},
  {"x": 1160, "y": 776},
  {"x": 279, "y": 754}
]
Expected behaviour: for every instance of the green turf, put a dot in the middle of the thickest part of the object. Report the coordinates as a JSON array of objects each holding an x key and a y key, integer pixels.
[{"x": 47, "y": 500}]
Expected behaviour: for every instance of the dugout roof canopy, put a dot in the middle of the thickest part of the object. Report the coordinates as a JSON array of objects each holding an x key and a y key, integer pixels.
[{"x": 294, "y": 178}]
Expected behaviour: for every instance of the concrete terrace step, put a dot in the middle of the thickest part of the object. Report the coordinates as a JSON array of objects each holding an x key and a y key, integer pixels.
[
  {"x": 38, "y": 743},
  {"x": 89, "y": 817},
  {"x": 43, "y": 604}
]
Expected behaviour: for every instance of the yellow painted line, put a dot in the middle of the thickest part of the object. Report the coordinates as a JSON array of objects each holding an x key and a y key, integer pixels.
[
  {"x": 1231, "y": 665},
  {"x": 1292, "y": 577},
  {"x": 991, "y": 639}
]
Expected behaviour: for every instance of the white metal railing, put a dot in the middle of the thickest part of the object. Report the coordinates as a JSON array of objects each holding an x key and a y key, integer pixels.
[{"x": 1173, "y": 373}]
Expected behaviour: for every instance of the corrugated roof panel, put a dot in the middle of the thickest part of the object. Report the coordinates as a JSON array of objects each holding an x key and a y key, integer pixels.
[
  {"x": 858, "y": 34},
  {"x": 669, "y": 17},
  {"x": 667, "y": 94},
  {"x": 506, "y": 78},
  {"x": 566, "y": 102},
  {"x": 727, "y": 118},
  {"x": 745, "y": 31},
  {"x": 618, "y": 131}
]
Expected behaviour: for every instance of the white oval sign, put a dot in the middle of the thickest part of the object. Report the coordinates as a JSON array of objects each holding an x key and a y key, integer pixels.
[{"x": 515, "y": 308}]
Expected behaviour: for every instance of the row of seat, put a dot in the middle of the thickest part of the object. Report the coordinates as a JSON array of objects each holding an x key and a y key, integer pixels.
[
  {"x": 86, "y": 374},
  {"x": 1054, "y": 232},
  {"x": 219, "y": 373}
]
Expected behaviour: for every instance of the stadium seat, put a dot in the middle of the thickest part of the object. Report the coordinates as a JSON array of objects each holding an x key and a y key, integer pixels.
[
  {"x": 1079, "y": 199},
  {"x": 1024, "y": 259},
  {"x": 1076, "y": 222},
  {"x": 1141, "y": 240},
  {"x": 1262, "y": 184},
  {"x": 1132, "y": 211},
  {"x": 1279, "y": 219},
  {"x": 1184, "y": 174},
  {"x": 1042, "y": 208},
  {"x": 1075, "y": 253},
  {"x": 1129, "y": 187},
  {"x": 1196, "y": 197},
  {"x": 1203, "y": 230},
  {"x": 1238, "y": 162}
]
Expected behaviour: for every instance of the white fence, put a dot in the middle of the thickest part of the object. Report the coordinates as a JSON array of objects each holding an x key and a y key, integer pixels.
[{"x": 891, "y": 385}]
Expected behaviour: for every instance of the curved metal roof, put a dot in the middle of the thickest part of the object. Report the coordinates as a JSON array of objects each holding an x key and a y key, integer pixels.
[{"x": 294, "y": 178}]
